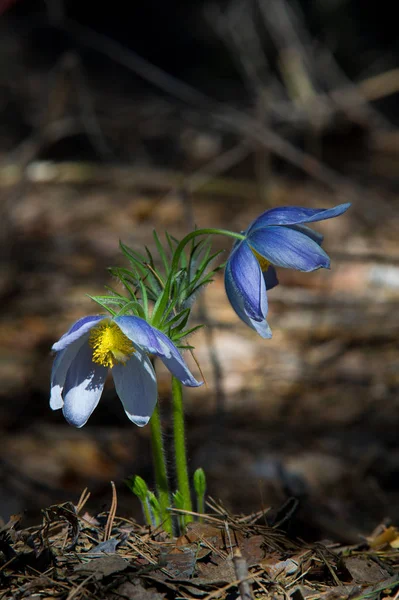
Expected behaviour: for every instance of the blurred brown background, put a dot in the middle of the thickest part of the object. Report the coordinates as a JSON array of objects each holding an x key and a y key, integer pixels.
[{"x": 115, "y": 120}]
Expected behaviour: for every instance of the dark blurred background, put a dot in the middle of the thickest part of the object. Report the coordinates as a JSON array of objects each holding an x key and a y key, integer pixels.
[{"x": 118, "y": 118}]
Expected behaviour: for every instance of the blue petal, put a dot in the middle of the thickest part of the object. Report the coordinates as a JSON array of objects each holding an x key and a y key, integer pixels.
[
  {"x": 140, "y": 332},
  {"x": 76, "y": 331},
  {"x": 236, "y": 299},
  {"x": 286, "y": 247},
  {"x": 294, "y": 215},
  {"x": 248, "y": 279},
  {"x": 270, "y": 277},
  {"x": 155, "y": 342},
  {"x": 173, "y": 360},
  {"x": 136, "y": 386},
  {"x": 61, "y": 364},
  {"x": 83, "y": 387},
  {"x": 58, "y": 375},
  {"x": 314, "y": 235}
]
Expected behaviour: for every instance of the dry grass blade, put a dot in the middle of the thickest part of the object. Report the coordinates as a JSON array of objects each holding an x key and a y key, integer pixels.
[
  {"x": 112, "y": 513},
  {"x": 82, "y": 500},
  {"x": 73, "y": 593}
]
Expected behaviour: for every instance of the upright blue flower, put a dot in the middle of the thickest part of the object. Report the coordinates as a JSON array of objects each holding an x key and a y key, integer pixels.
[
  {"x": 94, "y": 344},
  {"x": 277, "y": 237}
]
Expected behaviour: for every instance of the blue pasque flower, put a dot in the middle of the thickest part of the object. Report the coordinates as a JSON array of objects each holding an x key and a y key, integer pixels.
[
  {"x": 94, "y": 344},
  {"x": 277, "y": 237}
]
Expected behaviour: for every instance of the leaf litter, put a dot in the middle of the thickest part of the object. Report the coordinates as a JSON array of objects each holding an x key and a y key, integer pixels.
[{"x": 73, "y": 555}]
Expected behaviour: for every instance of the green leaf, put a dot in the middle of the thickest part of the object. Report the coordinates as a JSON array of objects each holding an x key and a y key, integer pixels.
[
  {"x": 178, "y": 500},
  {"x": 183, "y": 257},
  {"x": 103, "y": 304},
  {"x": 150, "y": 260},
  {"x": 161, "y": 252},
  {"x": 126, "y": 278},
  {"x": 170, "y": 242},
  {"x": 196, "y": 253},
  {"x": 204, "y": 264},
  {"x": 155, "y": 507},
  {"x": 131, "y": 254},
  {"x": 135, "y": 277},
  {"x": 144, "y": 298},
  {"x": 182, "y": 315},
  {"x": 138, "y": 486},
  {"x": 199, "y": 481},
  {"x": 183, "y": 334},
  {"x": 134, "y": 307},
  {"x": 156, "y": 318},
  {"x": 109, "y": 300},
  {"x": 177, "y": 331}
]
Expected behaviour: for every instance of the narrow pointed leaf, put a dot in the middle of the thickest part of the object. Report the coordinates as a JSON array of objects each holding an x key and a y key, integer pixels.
[
  {"x": 104, "y": 305},
  {"x": 144, "y": 298},
  {"x": 161, "y": 252},
  {"x": 179, "y": 336}
]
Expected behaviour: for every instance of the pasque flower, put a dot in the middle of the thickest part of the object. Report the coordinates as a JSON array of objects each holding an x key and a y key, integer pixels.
[
  {"x": 277, "y": 237},
  {"x": 96, "y": 343}
]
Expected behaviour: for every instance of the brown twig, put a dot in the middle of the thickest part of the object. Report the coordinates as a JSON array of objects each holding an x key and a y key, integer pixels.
[
  {"x": 230, "y": 118},
  {"x": 241, "y": 571}
]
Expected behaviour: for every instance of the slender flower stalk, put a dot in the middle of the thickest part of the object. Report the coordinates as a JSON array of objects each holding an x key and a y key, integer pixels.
[
  {"x": 160, "y": 471},
  {"x": 183, "y": 484}
]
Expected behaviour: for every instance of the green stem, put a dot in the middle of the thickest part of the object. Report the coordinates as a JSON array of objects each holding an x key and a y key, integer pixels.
[
  {"x": 164, "y": 300},
  {"x": 161, "y": 476},
  {"x": 201, "y": 506},
  {"x": 183, "y": 484}
]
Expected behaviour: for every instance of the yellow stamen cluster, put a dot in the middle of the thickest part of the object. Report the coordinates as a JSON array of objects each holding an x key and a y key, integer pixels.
[
  {"x": 110, "y": 345},
  {"x": 263, "y": 262}
]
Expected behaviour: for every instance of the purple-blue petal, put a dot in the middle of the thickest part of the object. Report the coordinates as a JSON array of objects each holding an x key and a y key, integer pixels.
[
  {"x": 173, "y": 360},
  {"x": 248, "y": 280},
  {"x": 78, "y": 329},
  {"x": 136, "y": 386},
  {"x": 140, "y": 332},
  {"x": 237, "y": 302},
  {"x": 295, "y": 215},
  {"x": 285, "y": 247},
  {"x": 155, "y": 342},
  {"x": 270, "y": 277},
  {"x": 314, "y": 235},
  {"x": 83, "y": 387},
  {"x": 61, "y": 364}
]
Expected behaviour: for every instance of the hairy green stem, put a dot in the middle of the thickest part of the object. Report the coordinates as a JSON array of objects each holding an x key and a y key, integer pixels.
[
  {"x": 183, "y": 484},
  {"x": 161, "y": 475},
  {"x": 201, "y": 506}
]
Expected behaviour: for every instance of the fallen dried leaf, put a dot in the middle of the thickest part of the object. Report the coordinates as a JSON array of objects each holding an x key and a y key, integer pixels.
[
  {"x": 365, "y": 570},
  {"x": 103, "y": 567},
  {"x": 180, "y": 562},
  {"x": 135, "y": 591},
  {"x": 384, "y": 537}
]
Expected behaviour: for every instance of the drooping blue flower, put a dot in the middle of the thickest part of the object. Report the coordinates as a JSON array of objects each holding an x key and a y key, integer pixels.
[
  {"x": 96, "y": 343},
  {"x": 277, "y": 237}
]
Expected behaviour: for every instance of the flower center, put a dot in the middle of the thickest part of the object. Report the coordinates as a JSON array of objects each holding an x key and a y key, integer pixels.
[
  {"x": 110, "y": 345},
  {"x": 263, "y": 262}
]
